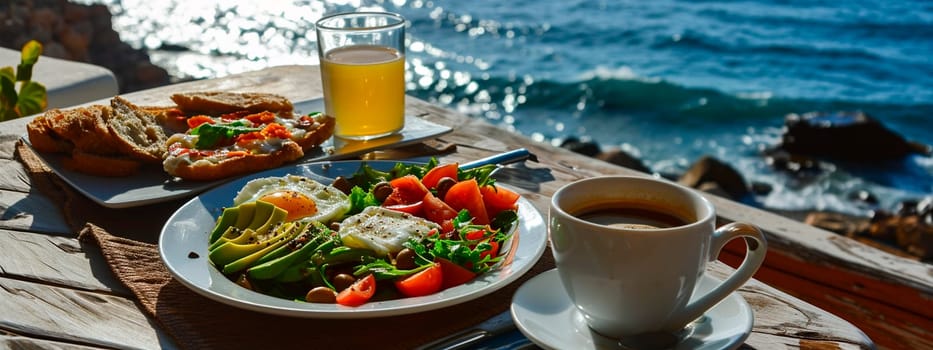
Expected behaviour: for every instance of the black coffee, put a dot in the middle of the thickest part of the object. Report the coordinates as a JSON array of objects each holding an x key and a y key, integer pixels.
[{"x": 631, "y": 215}]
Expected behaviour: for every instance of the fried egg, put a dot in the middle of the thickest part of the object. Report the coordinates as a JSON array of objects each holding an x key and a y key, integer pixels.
[
  {"x": 383, "y": 230},
  {"x": 304, "y": 199}
]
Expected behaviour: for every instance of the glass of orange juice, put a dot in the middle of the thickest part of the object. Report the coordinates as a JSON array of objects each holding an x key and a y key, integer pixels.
[{"x": 363, "y": 72}]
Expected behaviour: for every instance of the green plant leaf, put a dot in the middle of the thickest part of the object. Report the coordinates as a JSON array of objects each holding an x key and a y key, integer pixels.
[
  {"x": 32, "y": 99},
  {"x": 7, "y": 72},
  {"x": 24, "y": 72},
  {"x": 7, "y": 88},
  {"x": 31, "y": 52}
]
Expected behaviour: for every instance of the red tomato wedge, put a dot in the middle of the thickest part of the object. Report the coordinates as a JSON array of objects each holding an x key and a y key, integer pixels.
[
  {"x": 359, "y": 292},
  {"x": 466, "y": 195},
  {"x": 427, "y": 281},
  {"x": 454, "y": 275},
  {"x": 405, "y": 190},
  {"x": 497, "y": 199},
  {"x": 439, "y": 172},
  {"x": 436, "y": 210}
]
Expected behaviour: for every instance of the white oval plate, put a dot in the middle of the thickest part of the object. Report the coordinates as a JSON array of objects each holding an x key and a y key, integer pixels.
[{"x": 183, "y": 248}]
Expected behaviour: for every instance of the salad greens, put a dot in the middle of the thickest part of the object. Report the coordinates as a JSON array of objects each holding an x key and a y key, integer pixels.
[
  {"x": 296, "y": 257},
  {"x": 210, "y": 134}
]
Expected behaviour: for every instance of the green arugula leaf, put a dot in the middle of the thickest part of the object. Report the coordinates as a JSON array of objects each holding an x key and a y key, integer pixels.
[{"x": 210, "y": 134}]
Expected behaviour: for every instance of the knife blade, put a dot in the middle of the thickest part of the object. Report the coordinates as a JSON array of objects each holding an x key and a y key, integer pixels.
[{"x": 494, "y": 326}]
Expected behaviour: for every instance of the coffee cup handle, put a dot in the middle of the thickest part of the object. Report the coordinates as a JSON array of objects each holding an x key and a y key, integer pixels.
[{"x": 754, "y": 257}]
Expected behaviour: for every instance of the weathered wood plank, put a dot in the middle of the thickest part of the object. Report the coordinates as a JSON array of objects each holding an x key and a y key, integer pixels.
[
  {"x": 75, "y": 316},
  {"x": 19, "y": 342},
  {"x": 780, "y": 314},
  {"x": 57, "y": 260},
  {"x": 885, "y": 324},
  {"x": 31, "y": 212}
]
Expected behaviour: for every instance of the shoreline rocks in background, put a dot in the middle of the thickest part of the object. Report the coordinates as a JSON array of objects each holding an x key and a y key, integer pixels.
[
  {"x": 849, "y": 136},
  {"x": 907, "y": 232},
  {"x": 79, "y": 33}
]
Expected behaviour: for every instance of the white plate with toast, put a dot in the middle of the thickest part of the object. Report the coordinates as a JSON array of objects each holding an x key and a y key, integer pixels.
[{"x": 152, "y": 185}]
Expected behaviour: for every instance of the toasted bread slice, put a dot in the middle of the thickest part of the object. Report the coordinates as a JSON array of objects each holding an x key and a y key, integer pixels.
[
  {"x": 317, "y": 133},
  {"x": 85, "y": 127},
  {"x": 214, "y": 168},
  {"x": 136, "y": 131},
  {"x": 101, "y": 165},
  {"x": 218, "y": 102},
  {"x": 43, "y": 138}
]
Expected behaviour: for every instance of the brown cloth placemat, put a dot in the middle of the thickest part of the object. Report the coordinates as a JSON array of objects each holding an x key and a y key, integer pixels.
[{"x": 196, "y": 322}]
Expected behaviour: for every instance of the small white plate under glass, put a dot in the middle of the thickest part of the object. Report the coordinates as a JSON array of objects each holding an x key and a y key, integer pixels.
[{"x": 543, "y": 312}]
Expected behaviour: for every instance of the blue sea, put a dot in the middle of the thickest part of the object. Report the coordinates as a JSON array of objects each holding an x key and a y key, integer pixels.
[{"x": 667, "y": 81}]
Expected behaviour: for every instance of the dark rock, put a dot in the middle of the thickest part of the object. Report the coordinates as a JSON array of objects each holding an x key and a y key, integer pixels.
[
  {"x": 851, "y": 136},
  {"x": 587, "y": 148},
  {"x": 709, "y": 169},
  {"x": 79, "y": 33},
  {"x": 910, "y": 227},
  {"x": 761, "y": 188},
  {"x": 622, "y": 158},
  {"x": 801, "y": 166}
]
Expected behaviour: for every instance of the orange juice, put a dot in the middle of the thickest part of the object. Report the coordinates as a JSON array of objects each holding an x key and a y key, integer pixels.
[{"x": 364, "y": 89}]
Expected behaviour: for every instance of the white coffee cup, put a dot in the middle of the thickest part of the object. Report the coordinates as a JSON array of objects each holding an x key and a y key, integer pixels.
[{"x": 627, "y": 279}]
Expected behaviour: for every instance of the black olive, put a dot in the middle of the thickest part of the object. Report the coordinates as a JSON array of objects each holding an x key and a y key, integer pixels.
[
  {"x": 444, "y": 185},
  {"x": 382, "y": 190},
  {"x": 321, "y": 295},
  {"x": 405, "y": 260},
  {"x": 341, "y": 183},
  {"x": 343, "y": 281}
]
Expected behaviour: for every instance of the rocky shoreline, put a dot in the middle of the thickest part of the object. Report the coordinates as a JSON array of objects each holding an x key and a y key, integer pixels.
[
  {"x": 85, "y": 33},
  {"x": 81, "y": 33},
  {"x": 809, "y": 143}
]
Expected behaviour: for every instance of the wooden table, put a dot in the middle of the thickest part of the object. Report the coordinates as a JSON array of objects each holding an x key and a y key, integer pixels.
[{"x": 54, "y": 289}]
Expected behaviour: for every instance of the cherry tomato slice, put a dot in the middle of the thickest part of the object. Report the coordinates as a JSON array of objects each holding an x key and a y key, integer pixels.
[
  {"x": 359, "y": 292},
  {"x": 439, "y": 172},
  {"x": 427, "y": 281},
  {"x": 454, "y": 275},
  {"x": 405, "y": 190},
  {"x": 437, "y": 211},
  {"x": 498, "y": 199},
  {"x": 466, "y": 195}
]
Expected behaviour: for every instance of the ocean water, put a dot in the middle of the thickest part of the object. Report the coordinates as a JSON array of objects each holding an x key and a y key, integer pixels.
[{"x": 668, "y": 81}]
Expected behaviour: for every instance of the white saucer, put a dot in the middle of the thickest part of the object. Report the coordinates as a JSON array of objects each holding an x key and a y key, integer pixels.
[{"x": 542, "y": 311}]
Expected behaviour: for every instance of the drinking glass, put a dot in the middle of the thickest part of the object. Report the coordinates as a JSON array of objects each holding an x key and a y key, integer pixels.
[{"x": 363, "y": 72}]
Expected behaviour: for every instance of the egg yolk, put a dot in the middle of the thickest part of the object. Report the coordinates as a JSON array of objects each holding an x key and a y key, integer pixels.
[{"x": 295, "y": 203}]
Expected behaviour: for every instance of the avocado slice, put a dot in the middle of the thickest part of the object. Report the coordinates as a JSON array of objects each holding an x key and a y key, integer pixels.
[
  {"x": 286, "y": 233},
  {"x": 227, "y": 219},
  {"x": 251, "y": 240},
  {"x": 243, "y": 218},
  {"x": 303, "y": 246},
  {"x": 263, "y": 210},
  {"x": 247, "y": 225}
]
